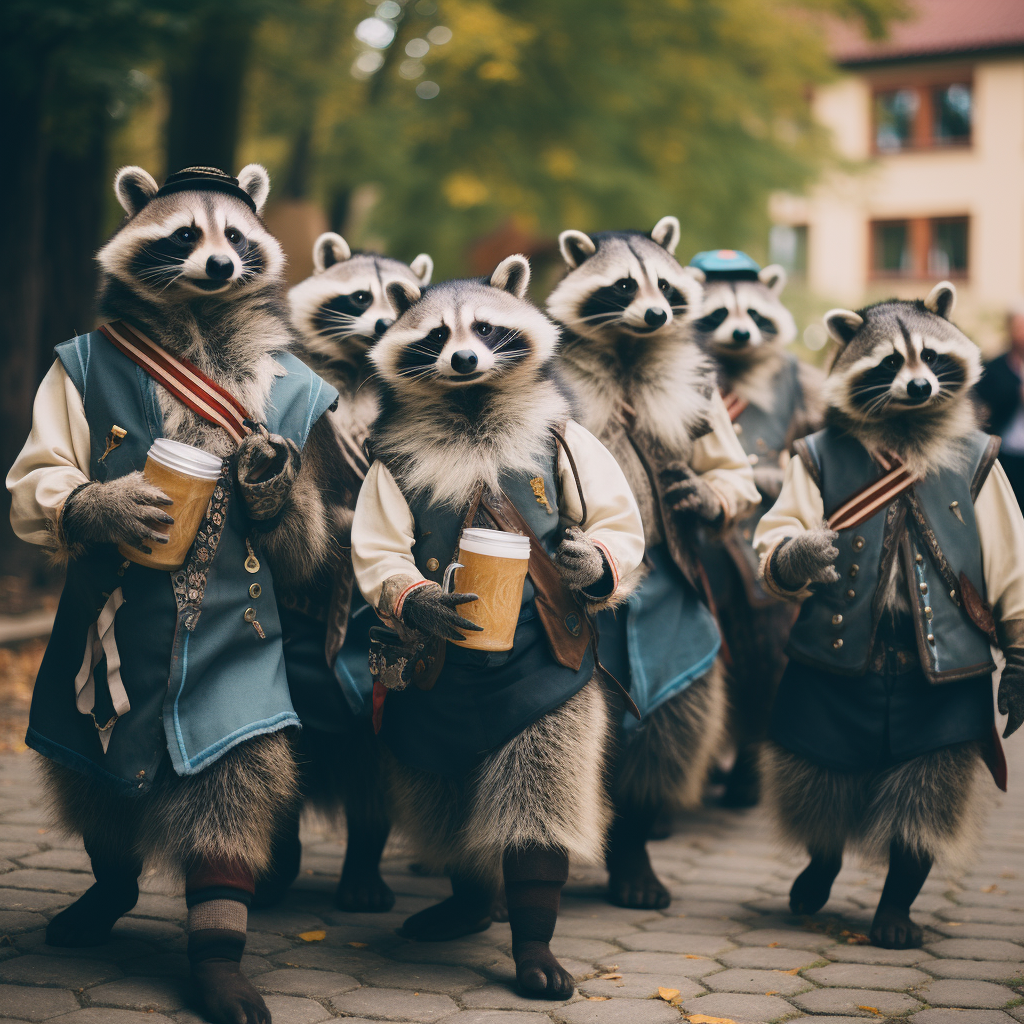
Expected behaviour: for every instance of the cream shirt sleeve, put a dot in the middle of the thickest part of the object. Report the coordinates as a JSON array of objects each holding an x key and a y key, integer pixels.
[
  {"x": 53, "y": 462},
  {"x": 799, "y": 507},
  {"x": 613, "y": 517},
  {"x": 1001, "y": 532},
  {"x": 382, "y": 537},
  {"x": 719, "y": 459}
]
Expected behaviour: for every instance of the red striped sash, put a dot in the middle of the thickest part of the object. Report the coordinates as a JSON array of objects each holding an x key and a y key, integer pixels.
[
  {"x": 734, "y": 405},
  {"x": 181, "y": 378},
  {"x": 868, "y": 500}
]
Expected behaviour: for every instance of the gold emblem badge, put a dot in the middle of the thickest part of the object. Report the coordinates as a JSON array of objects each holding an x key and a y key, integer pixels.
[{"x": 537, "y": 483}]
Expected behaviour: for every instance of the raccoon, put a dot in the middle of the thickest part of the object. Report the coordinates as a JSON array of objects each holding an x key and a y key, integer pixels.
[
  {"x": 341, "y": 312},
  {"x": 474, "y": 423},
  {"x": 865, "y": 751},
  {"x": 193, "y": 268},
  {"x": 773, "y": 399},
  {"x": 648, "y": 392}
]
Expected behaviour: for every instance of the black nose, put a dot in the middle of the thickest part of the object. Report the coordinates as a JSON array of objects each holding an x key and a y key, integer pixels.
[
  {"x": 739, "y": 335},
  {"x": 220, "y": 268},
  {"x": 655, "y": 317},
  {"x": 919, "y": 389},
  {"x": 464, "y": 361},
  {"x": 382, "y": 325}
]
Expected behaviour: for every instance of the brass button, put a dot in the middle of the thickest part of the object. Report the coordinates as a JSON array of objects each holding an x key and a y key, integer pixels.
[
  {"x": 140, "y": 773},
  {"x": 837, "y": 644},
  {"x": 433, "y": 565},
  {"x": 923, "y": 587},
  {"x": 928, "y": 610},
  {"x": 837, "y": 620},
  {"x": 255, "y": 590},
  {"x": 952, "y": 594},
  {"x": 854, "y": 569},
  {"x": 919, "y": 558},
  {"x": 858, "y": 543},
  {"x": 851, "y": 594},
  {"x": 954, "y": 504},
  {"x": 249, "y": 615},
  {"x": 752, "y": 459},
  {"x": 931, "y": 638},
  {"x": 738, "y": 427}
]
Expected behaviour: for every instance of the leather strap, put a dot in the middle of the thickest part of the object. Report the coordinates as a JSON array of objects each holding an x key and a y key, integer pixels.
[
  {"x": 878, "y": 494},
  {"x": 182, "y": 378},
  {"x": 561, "y": 441}
]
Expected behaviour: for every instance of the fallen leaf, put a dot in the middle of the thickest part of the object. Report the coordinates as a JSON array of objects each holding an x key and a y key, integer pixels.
[
  {"x": 693, "y": 956},
  {"x": 871, "y": 1009},
  {"x": 703, "y": 1018},
  {"x": 599, "y": 999},
  {"x": 359, "y": 945},
  {"x": 317, "y": 936},
  {"x": 609, "y": 977},
  {"x": 772, "y": 945},
  {"x": 994, "y": 888},
  {"x": 1008, "y": 874},
  {"x": 795, "y": 971},
  {"x": 772, "y": 992},
  {"x": 668, "y": 994},
  {"x": 954, "y": 924}
]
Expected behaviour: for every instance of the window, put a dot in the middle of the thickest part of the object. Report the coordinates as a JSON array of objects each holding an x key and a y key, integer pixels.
[
  {"x": 787, "y": 245},
  {"x": 920, "y": 247},
  {"x": 922, "y": 116}
]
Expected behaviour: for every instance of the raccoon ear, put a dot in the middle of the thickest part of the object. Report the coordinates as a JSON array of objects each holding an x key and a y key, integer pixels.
[
  {"x": 575, "y": 247},
  {"x": 255, "y": 180},
  {"x": 696, "y": 273},
  {"x": 941, "y": 299},
  {"x": 773, "y": 278},
  {"x": 134, "y": 187},
  {"x": 328, "y": 249},
  {"x": 666, "y": 233},
  {"x": 843, "y": 324},
  {"x": 423, "y": 268},
  {"x": 512, "y": 275},
  {"x": 402, "y": 295}
]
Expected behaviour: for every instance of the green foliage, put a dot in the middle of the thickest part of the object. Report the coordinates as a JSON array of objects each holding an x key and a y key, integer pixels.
[{"x": 586, "y": 113}]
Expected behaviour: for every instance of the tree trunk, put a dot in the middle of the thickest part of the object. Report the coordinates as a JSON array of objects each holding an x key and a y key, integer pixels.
[{"x": 206, "y": 92}]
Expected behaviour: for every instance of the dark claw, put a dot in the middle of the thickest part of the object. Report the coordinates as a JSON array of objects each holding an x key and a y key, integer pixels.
[
  {"x": 163, "y": 517},
  {"x": 148, "y": 551}
]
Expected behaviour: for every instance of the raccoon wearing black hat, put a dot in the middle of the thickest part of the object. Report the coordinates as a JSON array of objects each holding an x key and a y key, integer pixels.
[
  {"x": 648, "y": 392},
  {"x": 340, "y": 311},
  {"x": 898, "y": 531},
  {"x": 165, "y": 740},
  {"x": 772, "y": 398},
  {"x": 497, "y": 767}
]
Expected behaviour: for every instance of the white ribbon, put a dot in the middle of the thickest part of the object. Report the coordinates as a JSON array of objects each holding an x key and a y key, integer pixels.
[{"x": 100, "y": 642}]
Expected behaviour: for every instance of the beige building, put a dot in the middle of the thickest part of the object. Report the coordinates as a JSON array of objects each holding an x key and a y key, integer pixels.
[{"x": 931, "y": 122}]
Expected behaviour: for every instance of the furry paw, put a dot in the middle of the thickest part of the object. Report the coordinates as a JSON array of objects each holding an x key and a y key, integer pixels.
[
  {"x": 807, "y": 558},
  {"x": 768, "y": 481},
  {"x": 1010, "y": 700},
  {"x": 430, "y": 610},
  {"x": 640, "y": 888},
  {"x": 363, "y": 891},
  {"x": 449, "y": 919},
  {"x": 266, "y": 470},
  {"x": 539, "y": 974},
  {"x": 687, "y": 494},
  {"x": 579, "y": 560},
  {"x": 893, "y": 929},
  {"x": 128, "y": 510},
  {"x": 89, "y": 920},
  {"x": 226, "y": 994},
  {"x": 813, "y": 886}
]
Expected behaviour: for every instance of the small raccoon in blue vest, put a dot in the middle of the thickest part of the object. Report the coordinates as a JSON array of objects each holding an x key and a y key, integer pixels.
[
  {"x": 161, "y": 703},
  {"x": 340, "y": 312},
  {"x": 497, "y": 767},
  {"x": 648, "y": 392},
  {"x": 897, "y": 530},
  {"x": 772, "y": 399}
]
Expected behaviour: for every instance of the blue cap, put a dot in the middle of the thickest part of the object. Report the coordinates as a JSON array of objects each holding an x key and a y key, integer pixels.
[{"x": 725, "y": 263}]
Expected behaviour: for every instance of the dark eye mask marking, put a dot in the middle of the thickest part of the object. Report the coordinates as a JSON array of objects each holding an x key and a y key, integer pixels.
[
  {"x": 765, "y": 325},
  {"x": 606, "y": 304},
  {"x": 712, "y": 321}
]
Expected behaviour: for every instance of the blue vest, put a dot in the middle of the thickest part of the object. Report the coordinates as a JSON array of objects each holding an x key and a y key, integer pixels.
[
  {"x": 837, "y": 624},
  {"x": 195, "y": 694}
]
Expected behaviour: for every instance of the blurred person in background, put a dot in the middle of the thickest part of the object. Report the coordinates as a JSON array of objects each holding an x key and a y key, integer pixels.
[{"x": 1001, "y": 392}]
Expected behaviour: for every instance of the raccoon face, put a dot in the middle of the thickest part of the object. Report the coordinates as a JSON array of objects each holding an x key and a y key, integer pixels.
[
  {"x": 624, "y": 282},
  {"x": 345, "y": 307},
  {"x": 465, "y": 333},
  {"x": 192, "y": 243},
  {"x": 744, "y": 318},
  {"x": 900, "y": 357}
]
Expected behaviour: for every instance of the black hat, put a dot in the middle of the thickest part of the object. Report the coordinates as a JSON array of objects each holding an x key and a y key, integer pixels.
[{"x": 205, "y": 179}]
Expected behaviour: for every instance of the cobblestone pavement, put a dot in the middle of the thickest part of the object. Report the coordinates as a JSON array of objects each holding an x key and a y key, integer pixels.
[{"x": 726, "y": 948}]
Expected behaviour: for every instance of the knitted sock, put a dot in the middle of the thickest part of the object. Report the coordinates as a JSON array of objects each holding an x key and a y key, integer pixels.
[
  {"x": 534, "y": 877},
  {"x": 218, "y": 894}
]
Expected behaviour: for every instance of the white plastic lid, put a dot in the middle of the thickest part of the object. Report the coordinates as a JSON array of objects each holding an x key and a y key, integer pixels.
[
  {"x": 185, "y": 459},
  {"x": 496, "y": 543}
]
